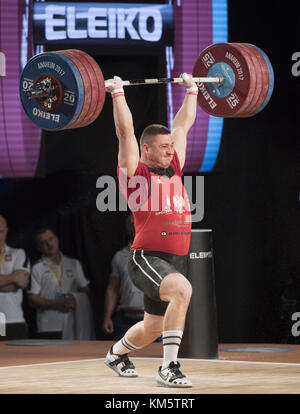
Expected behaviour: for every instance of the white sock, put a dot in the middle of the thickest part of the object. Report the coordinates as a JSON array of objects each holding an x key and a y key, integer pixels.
[
  {"x": 171, "y": 342},
  {"x": 123, "y": 346}
]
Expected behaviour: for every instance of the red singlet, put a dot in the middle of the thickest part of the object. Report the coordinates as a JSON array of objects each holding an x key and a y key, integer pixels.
[{"x": 160, "y": 206}]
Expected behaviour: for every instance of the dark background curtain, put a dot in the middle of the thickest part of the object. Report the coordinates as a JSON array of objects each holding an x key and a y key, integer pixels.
[{"x": 251, "y": 197}]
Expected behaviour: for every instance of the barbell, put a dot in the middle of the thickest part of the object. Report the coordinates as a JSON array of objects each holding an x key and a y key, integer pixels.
[{"x": 65, "y": 89}]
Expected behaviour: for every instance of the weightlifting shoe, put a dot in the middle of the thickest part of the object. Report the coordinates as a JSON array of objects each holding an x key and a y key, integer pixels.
[
  {"x": 172, "y": 377},
  {"x": 121, "y": 364}
]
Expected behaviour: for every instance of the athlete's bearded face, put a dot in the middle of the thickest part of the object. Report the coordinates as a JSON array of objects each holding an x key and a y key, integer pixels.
[{"x": 160, "y": 153}]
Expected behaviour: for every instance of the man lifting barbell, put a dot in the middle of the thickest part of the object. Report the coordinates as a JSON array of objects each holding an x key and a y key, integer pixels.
[
  {"x": 162, "y": 236},
  {"x": 66, "y": 89}
]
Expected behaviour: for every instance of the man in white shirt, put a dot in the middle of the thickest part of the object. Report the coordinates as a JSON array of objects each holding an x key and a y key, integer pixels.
[
  {"x": 124, "y": 303},
  {"x": 14, "y": 277},
  {"x": 55, "y": 282}
]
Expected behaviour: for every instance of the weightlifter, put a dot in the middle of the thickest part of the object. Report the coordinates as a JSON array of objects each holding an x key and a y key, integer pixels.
[{"x": 162, "y": 234}]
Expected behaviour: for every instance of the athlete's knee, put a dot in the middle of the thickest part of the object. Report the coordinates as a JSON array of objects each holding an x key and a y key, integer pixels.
[
  {"x": 184, "y": 292},
  {"x": 176, "y": 286},
  {"x": 189, "y": 289}
]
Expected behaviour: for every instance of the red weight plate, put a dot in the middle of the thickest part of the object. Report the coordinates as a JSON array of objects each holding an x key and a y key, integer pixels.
[
  {"x": 252, "y": 80},
  {"x": 228, "y": 61},
  {"x": 259, "y": 82},
  {"x": 98, "y": 83},
  {"x": 72, "y": 55},
  {"x": 94, "y": 85},
  {"x": 265, "y": 77},
  {"x": 256, "y": 73}
]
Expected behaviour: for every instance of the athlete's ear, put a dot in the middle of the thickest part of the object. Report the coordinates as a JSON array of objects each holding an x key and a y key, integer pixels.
[{"x": 145, "y": 148}]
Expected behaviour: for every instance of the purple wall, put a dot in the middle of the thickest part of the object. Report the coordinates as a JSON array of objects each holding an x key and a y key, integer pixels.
[{"x": 19, "y": 137}]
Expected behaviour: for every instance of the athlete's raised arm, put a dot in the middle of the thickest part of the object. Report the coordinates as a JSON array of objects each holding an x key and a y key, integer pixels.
[
  {"x": 185, "y": 117},
  {"x": 128, "y": 156}
]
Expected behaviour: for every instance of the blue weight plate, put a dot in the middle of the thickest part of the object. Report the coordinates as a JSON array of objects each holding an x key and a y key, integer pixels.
[
  {"x": 68, "y": 76},
  {"x": 271, "y": 79}
]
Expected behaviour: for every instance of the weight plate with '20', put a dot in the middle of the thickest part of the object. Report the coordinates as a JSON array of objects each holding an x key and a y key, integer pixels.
[{"x": 68, "y": 80}]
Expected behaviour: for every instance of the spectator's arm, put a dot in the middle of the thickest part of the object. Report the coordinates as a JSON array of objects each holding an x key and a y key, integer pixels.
[
  {"x": 110, "y": 303},
  {"x": 37, "y": 301},
  {"x": 5, "y": 281},
  {"x": 13, "y": 281},
  {"x": 10, "y": 287},
  {"x": 84, "y": 289}
]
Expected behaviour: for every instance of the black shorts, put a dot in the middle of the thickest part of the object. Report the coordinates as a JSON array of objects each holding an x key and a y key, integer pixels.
[{"x": 147, "y": 269}]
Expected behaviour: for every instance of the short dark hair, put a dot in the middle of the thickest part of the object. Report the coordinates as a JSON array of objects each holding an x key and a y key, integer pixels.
[
  {"x": 150, "y": 132},
  {"x": 41, "y": 231}
]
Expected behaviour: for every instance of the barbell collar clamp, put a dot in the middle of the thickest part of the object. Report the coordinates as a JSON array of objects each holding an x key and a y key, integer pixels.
[{"x": 41, "y": 89}]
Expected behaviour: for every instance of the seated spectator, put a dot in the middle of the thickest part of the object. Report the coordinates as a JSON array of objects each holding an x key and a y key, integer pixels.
[
  {"x": 59, "y": 291},
  {"x": 124, "y": 303},
  {"x": 14, "y": 278}
]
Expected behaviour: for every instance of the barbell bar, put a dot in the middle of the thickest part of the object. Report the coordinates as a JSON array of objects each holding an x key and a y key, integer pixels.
[
  {"x": 44, "y": 89},
  {"x": 65, "y": 89},
  {"x": 136, "y": 82}
]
